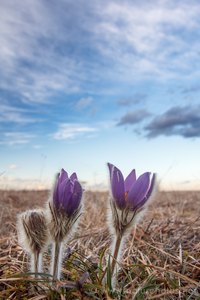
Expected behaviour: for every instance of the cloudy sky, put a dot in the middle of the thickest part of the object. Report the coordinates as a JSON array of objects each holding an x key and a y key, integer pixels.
[{"x": 83, "y": 83}]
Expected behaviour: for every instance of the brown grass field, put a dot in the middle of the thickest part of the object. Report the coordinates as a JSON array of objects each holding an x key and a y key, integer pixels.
[{"x": 161, "y": 258}]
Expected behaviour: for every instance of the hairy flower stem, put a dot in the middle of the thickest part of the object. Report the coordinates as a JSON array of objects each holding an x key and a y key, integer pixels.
[
  {"x": 56, "y": 260},
  {"x": 116, "y": 252},
  {"x": 36, "y": 263}
]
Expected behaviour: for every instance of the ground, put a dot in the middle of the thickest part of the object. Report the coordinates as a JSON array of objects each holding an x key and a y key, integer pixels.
[{"x": 161, "y": 257}]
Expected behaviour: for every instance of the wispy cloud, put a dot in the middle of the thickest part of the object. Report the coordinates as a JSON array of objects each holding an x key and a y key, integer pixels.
[
  {"x": 15, "y": 138},
  {"x": 72, "y": 130},
  {"x": 12, "y": 114},
  {"x": 182, "y": 121},
  {"x": 135, "y": 99},
  {"x": 143, "y": 37},
  {"x": 30, "y": 35},
  {"x": 119, "y": 41},
  {"x": 37, "y": 147},
  {"x": 191, "y": 90},
  {"x": 133, "y": 117},
  {"x": 12, "y": 167},
  {"x": 83, "y": 103}
]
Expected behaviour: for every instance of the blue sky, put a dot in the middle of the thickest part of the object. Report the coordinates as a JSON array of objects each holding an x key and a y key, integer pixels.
[{"x": 83, "y": 83}]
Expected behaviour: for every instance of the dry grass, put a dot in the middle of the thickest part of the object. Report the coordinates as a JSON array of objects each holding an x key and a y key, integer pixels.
[{"x": 161, "y": 260}]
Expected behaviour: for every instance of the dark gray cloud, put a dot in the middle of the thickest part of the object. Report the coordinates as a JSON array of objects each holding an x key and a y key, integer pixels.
[
  {"x": 137, "y": 98},
  {"x": 183, "y": 121},
  {"x": 133, "y": 117}
]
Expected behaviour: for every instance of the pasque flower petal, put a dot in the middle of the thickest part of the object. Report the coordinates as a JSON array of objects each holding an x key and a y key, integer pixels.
[
  {"x": 151, "y": 187},
  {"x": 63, "y": 175},
  {"x": 67, "y": 193},
  {"x": 66, "y": 189},
  {"x": 117, "y": 186},
  {"x": 59, "y": 187},
  {"x": 130, "y": 180},
  {"x": 75, "y": 200},
  {"x": 152, "y": 184},
  {"x": 73, "y": 177},
  {"x": 139, "y": 190}
]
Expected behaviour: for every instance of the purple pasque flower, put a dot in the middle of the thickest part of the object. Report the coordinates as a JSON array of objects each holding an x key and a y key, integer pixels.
[
  {"x": 67, "y": 193},
  {"x": 130, "y": 192}
]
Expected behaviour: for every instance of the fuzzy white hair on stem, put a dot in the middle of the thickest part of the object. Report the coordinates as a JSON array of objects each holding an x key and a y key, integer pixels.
[
  {"x": 63, "y": 210},
  {"x": 61, "y": 228},
  {"x": 33, "y": 236},
  {"x": 121, "y": 223}
]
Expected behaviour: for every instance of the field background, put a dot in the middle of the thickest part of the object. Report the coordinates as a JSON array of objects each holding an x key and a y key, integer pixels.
[{"x": 161, "y": 259}]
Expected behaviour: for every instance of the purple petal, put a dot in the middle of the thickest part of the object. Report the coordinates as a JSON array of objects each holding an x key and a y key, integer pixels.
[
  {"x": 65, "y": 193},
  {"x": 149, "y": 191},
  {"x": 58, "y": 188},
  {"x": 61, "y": 187},
  {"x": 129, "y": 181},
  {"x": 63, "y": 175},
  {"x": 139, "y": 190},
  {"x": 75, "y": 200},
  {"x": 117, "y": 186},
  {"x": 152, "y": 184},
  {"x": 73, "y": 177}
]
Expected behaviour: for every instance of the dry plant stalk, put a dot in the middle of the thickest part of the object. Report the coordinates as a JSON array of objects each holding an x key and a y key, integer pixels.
[{"x": 151, "y": 252}]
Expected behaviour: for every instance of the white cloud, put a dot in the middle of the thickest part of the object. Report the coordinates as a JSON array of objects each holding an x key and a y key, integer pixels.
[
  {"x": 37, "y": 147},
  {"x": 29, "y": 67},
  {"x": 40, "y": 55},
  {"x": 72, "y": 130},
  {"x": 12, "y": 167},
  {"x": 15, "y": 138},
  {"x": 144, "y": 38},
  {"x": 84, "y": 102},
  {"x": 13, "y": 114}
]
